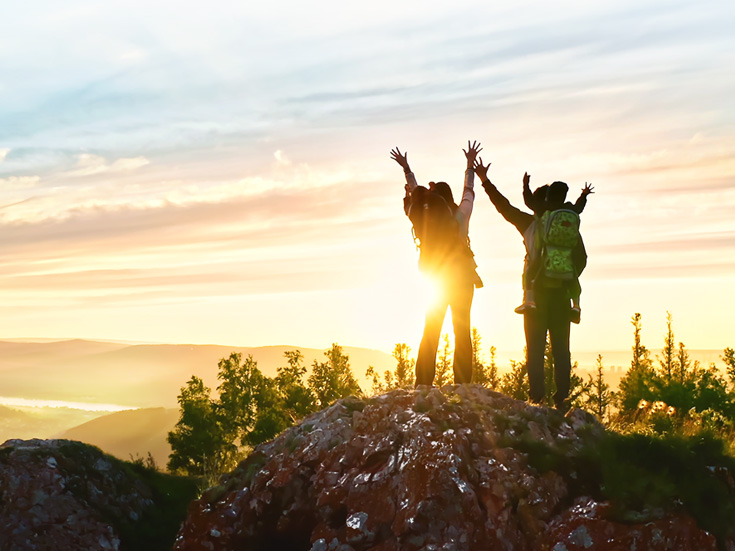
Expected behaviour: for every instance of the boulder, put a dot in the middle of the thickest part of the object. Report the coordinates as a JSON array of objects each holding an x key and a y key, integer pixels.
[{"x": 457, "y": 468}]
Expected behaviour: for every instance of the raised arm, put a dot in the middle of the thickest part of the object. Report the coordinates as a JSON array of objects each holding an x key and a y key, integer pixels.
[
  {"x": 527, "y": 193},
  {"x": 582, "y": 200},
  {"x": 468, "y": 192},
  {"x": 402, "y": 159},
  {"x": 521, "y": 220}
]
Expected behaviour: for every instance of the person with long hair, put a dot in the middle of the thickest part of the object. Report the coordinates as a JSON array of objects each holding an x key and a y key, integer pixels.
[{"x": 450, "y": 265}]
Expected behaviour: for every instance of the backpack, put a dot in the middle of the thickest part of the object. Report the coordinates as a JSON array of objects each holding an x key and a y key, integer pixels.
[
  {"x": 435, "y": 228},
  {"x": 437, "y": 235},
  {"x": 558, "y": 238}
]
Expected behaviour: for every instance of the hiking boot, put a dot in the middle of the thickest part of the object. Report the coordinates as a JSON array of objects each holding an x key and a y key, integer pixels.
[
  {"x": 575, "y": 314},
  {"x": 525, "y": 308},
  {"x": 562, "y": 407}
]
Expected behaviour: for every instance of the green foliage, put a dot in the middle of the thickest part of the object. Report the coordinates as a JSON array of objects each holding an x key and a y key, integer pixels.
[
  {"x": 515, "y": 382},
  {"x": 402, "y": 376},
  {"x": 333, "y": 379},
  {"x": 598, "y": 398},
  {"x": 644, "y": 476},
  {"x": 638, "y": 382},
  {"x": 680, "y": 385},
  {"x": 199, "y": 443},
  {"x": 483, "y": 374},
  {"x": 213, "y": 434},
  {"x": 156, "y": 530},
  {"x": 405, "y": 373},
  {"x": 667, "y": 363},
  {"x": 298, "y": 399},
  {"x": 728, "y": 357},
  {"x": 643, "y": 473},
  {"x": 153, "y": 530},
  {"x": 444, "y": 375},
  {"x": 241, "y": 386}
]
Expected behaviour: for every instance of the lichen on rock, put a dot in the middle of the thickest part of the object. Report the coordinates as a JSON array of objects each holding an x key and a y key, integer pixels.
[{"x": 457, "y": 468}]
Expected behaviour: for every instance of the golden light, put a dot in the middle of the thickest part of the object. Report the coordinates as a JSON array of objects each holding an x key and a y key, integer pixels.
[{"x": 431, "y": 291}]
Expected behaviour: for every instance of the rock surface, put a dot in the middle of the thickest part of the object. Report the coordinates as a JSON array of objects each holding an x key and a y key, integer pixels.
[
  {"x": 65, "y": 496},
  {"x": 432, "y": 469}
]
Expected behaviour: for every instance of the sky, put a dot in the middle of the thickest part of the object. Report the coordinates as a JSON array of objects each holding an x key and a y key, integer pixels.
[{"x": 219, "y": 172}]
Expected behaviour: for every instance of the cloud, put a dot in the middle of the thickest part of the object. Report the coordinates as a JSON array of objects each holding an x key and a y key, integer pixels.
[
  {"x": 4, "y": 153},
  {"x": 14, "y": 183},
  {"x": 281, "y": 158},
  {"x": 89, "y": 164}
]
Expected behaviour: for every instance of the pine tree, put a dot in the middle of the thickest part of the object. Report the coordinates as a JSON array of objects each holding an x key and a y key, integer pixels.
[
  {"x": 638, "y": 382},
  {"x": 515, "y": 382},
  {"x": 598, "y": 396},
  {"x": 667, "y": 362},
  {"x": 443, "y": 374},
  {"x": 479, "y": 374},
  {"x": 728, "y": 356},
  {"x": 405, "y": 374},
  {"x": 492, "y": 372}
]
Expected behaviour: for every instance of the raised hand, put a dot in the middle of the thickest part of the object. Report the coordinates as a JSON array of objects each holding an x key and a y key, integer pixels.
[
  {"x": 587, "y": 189},
  {"x": 471, "y": 153},
  {"x": 526, "y": 180},
  {"x": 481, "y": 169},
  {"x": 400, "y": 158}
]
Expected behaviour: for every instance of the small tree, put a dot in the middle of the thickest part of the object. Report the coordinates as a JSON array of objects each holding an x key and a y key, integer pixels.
[
  {"x": 515, "y": 382},
  {"x": 638, "y": 382},
  {"x": 598, "y": 395},
  {"x": 728, "y": 356},
  {"x": 298, "y": 399},
  {"x": 333, "y": 379},
  {"x": 492, "y": 373},
  {"x": 685, "y": 367},
  {"x": 443, "y": 374},
  {"x": 405, "y": 373},
  {"x": 377, "y": 386},
  {"x": 483, "y": 374},
  {"x": 667, "y": 362},
  {"x": 199, "y": 445},
  {"x": 239, "y": 392}
]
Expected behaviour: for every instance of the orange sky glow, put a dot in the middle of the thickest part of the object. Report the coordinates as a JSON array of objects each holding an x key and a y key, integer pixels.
[{"x": 223, "y": 177}]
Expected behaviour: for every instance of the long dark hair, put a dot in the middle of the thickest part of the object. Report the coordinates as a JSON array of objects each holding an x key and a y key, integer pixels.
[{"x": 445, "y": 192}]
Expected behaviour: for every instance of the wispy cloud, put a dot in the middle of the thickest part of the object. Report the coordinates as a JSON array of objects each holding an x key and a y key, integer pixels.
[
  {"x": 89, "y": 164},
  {"x": 243, "y": 152}
]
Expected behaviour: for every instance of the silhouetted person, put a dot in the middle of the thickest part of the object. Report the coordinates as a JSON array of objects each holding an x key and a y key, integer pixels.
[
  {"x": 442, "y": 227},
  {"x": 551, "y": 315},
  {"x": 547, "y": 198}
]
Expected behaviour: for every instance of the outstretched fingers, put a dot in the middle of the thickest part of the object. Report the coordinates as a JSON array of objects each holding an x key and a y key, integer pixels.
[
  {"x": 400, "y": 158},
  {"x": 473, "y": 148},
  {"x": 480, "y": 168}
]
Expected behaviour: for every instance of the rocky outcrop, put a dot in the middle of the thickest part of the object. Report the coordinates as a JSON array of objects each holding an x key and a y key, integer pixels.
[
  {"x": 67, "y": 496},
  {"x": 459, "y": 468}
]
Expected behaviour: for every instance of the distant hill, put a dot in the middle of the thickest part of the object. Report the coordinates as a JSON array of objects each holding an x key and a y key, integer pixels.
[
  {"x": 35, "y": 422},
  {"x": 129, "y": 433},
  {"x": 145, "y": 375},
  {"x": 151, "y": 375}
]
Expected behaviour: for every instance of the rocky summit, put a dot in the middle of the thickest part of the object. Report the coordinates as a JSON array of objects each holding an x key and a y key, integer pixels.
[
  {"x": 61, "y": 495},
  {"x": 457, "y": 468}
]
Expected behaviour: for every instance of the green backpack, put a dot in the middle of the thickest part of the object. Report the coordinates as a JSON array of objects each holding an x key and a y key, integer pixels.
[{"x": 559, "y": 235}]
